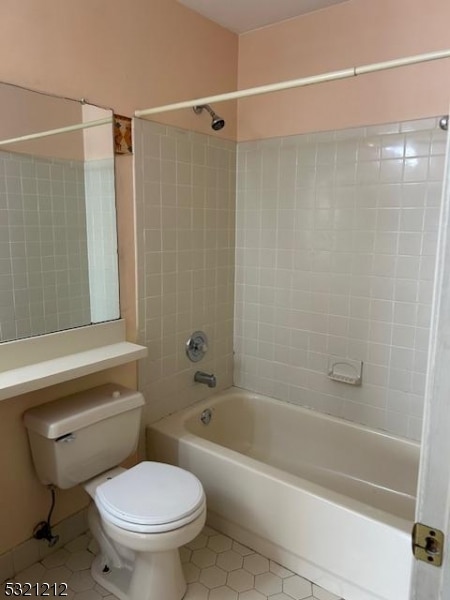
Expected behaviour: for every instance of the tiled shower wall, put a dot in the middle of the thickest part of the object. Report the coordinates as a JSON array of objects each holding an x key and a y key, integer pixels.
[
  {"x": 336, "y": 244},
  {"x": 43, "y": 255},
  {"x": 185, "y": 223}
]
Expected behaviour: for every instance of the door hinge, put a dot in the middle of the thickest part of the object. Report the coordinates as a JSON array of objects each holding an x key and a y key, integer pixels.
[{"x": 427, "y": 544}]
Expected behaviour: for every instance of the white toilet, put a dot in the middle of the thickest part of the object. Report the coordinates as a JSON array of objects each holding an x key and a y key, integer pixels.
[{"x": 140, "y": 516}]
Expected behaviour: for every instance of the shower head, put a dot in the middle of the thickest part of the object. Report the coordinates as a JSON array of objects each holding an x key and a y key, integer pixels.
[
  {"x": 217, "y": 123},
  {"x": 443, "y": 123}
]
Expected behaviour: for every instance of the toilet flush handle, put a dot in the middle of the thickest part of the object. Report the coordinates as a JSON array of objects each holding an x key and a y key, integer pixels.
[{"x": 67, "y": 439}]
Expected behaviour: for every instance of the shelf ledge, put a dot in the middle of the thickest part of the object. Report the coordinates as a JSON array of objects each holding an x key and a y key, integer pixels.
[{"x": 29, "y": 376}]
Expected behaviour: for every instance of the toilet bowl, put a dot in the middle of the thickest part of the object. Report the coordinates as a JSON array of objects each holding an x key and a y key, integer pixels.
[{"x": 140, "y": 518}]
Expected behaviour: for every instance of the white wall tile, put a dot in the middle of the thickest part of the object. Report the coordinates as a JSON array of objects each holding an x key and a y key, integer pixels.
[
  {"x": 185, "y": 189},
  {"x": 349, "y": 271}
]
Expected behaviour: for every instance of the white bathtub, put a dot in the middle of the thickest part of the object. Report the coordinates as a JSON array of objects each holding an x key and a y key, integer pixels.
[{"x": 331, "y": 500}]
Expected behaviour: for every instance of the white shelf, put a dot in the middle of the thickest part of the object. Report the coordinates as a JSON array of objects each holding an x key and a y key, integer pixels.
[{"x": 72, "y": 362}]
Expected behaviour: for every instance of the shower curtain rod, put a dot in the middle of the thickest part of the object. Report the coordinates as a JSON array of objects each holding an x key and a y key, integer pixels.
[
  {"x": 41, "y": 134},
  {"x": 294, "y": 83}
]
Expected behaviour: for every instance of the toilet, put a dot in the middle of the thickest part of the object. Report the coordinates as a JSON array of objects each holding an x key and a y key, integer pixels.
[{"x": 141, "y": 516}]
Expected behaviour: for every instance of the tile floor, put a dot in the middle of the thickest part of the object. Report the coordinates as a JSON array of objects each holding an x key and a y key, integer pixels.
[{"x": 216, "y": 568}]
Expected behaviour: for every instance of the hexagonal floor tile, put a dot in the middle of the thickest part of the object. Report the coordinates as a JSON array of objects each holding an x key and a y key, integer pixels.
[
  {"x": 79, "y": 543},
  {"x": 223, "y": 593},
  {"x": 215, "y": 566},
  {"x": 88, "y": 595},
  {"x": 58, "y": 575},
  {"x": 213, "y": 577},
  {"x": 57, "y": 559},
  {"x": 279, "y": 570},
  {"x": 241, "y": 549},
  {"x": 237, "y": 547},
  {"x": 321, "y": 594},
  {"x": 79, "y": 561},
  {"x": 229, "y": 560},
  {"x": 191, "y": 572},
  {"x": 185, "y": 554},
  {"x": 196, "y": 591},
  {"x": 297, "y": 587},
  {"x": 199, "y": 542},
  {"x": 81, "y": 581},
  {"x": 204, "y": 558},
  {"x": 240, "y": 580},
  {"x": 209, "y": 531},
  {"x": 256, "y": 564},
  {"x": 252, "y": 595},
  {"x": 31, "y": 575},
  {"x": 220, "y": 543},
  {"x": 268, "y": 584},
  {"x": 101, "y": 590}
]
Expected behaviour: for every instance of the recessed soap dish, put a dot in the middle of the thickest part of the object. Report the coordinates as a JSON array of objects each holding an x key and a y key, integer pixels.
[{"x": 345, "y": 370}]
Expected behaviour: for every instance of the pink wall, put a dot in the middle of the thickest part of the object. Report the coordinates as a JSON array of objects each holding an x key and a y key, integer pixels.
[
  {"x": 353, "y": 33},
  {"x": 124, "y": 56},
  {"x": 121, "y": 55}
]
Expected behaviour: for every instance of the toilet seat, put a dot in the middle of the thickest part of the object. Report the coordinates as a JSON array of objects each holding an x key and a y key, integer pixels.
[{"x": 151, "y": 497}]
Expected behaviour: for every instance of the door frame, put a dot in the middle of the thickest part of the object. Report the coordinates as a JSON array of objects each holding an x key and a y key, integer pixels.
[{"x": 433, "y": 498}]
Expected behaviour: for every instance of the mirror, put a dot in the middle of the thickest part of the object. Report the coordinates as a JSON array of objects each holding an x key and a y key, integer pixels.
[{"x": 58, "y": 241}]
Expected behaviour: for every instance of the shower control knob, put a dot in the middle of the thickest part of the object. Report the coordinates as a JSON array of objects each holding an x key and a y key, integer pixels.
[{"x": 197, "y": 346}]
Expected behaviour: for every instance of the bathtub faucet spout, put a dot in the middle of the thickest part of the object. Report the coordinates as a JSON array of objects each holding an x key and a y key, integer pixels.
[{"x": 206, "y": 378}]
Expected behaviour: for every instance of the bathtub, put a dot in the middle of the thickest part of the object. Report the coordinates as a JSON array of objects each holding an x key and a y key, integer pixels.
[{"x": 331, "y": 500}]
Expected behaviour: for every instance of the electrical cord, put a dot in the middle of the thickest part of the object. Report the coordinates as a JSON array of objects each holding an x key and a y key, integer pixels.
[
  {"x": 52, "y": 491},
  {"x": 43, "y": 530}
]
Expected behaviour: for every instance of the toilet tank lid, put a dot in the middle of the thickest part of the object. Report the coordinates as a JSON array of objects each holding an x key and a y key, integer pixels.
[{"x": 71, "y": 413}]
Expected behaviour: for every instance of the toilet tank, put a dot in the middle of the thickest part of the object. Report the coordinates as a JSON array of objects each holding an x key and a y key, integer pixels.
[{"x": 77, "y": 437}]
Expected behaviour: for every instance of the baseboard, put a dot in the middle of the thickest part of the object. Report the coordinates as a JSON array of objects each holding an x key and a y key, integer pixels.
[{"x": 31, "y": 551}]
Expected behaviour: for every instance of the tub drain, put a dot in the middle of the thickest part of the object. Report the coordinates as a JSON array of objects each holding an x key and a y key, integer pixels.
[{"x": 206, "y": 416}]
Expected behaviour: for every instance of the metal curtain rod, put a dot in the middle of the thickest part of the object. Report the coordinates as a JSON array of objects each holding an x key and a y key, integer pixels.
[
  {"x": 40, "y": 134},
  {"x": 294, "y": 83}
]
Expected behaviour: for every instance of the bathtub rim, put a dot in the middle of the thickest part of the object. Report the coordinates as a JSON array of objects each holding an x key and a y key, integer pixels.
[
  {"x": 173, "y": 426},
  {"x": 235, "y": 390}
]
